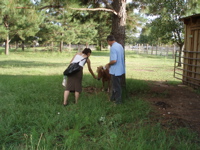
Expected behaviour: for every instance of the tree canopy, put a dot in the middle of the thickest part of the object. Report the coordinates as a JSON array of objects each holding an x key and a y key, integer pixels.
[{"x": 90, "y": 21}]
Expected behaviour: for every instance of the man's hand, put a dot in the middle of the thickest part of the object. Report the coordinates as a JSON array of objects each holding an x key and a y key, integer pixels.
[{"x": 107, "y": 66}]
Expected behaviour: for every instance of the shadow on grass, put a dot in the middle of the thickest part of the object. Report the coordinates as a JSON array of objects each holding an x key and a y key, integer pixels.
[
  {"x": 31, "y": 89},
  {"x": 33, "y": 116}
]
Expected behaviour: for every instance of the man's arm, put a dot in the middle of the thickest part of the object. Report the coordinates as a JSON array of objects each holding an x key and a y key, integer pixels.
[{"x": 112, "y": 62}]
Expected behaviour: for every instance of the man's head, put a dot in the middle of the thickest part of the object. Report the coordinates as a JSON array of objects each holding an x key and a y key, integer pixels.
[{"x": 110, "y": 39}]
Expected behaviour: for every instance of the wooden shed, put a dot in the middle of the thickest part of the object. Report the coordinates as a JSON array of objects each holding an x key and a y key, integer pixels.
[{"x": 191, "y": 52}]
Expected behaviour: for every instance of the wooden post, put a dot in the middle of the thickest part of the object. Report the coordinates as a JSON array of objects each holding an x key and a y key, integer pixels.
[
  {"x": 7, "y": 46},
  {"x": 151, "y": 49},
  {"x": 138, "y": 48},
  {"x": 142, "y": 48},
  {"x": 160, "y": 47},
  {"x": 147, "y": 48},
  {"x": 52, "y": 46},
  {"x": 167, "y": 50},
  {"x": 156, "y": 49},
  {"x": 173, "y": 51}
]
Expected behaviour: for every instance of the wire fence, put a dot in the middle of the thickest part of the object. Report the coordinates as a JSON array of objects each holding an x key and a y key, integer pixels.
[{"x": 160, "y": 50}]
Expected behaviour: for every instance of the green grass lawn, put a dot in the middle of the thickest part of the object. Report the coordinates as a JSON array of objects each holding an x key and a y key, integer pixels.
[{"x": 32, "y": 115}]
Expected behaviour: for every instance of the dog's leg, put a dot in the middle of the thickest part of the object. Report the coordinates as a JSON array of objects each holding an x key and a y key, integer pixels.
[
  {"x": 108, "y": 90},
  {"x": 108, "y": 86},
  {"x": 103, "y": 85}
]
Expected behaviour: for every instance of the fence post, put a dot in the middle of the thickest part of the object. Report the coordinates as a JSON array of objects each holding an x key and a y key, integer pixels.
[
  {"x": 162, "y": 50},
  {"x": 142, "y": 48},
  {"x": 156, "y": 49},
  {"x": 173, "y": 51},
  {"x": 160, "y": 47},
  {"x": 52, "y": 45},
  {"x": 139, "y": 48},
  {"x": 167, "y": 49},
  {"x": 147, "y": 48}
]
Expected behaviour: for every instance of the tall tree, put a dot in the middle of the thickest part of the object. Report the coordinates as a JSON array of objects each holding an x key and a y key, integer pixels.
[
  {"x": 119, "y": 20},
  {"x": 21, "y": 22},
  {"x": 116, "y": 7},
  {"x": 103, "y": 27},
  {"x": 101, "y": 21},
  {"x": 118, "y": 10},
  {"x": 168, "y": 24}
]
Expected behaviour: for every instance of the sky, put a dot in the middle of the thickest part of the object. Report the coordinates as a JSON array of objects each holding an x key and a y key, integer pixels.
[{"x": 128, "y": 1}]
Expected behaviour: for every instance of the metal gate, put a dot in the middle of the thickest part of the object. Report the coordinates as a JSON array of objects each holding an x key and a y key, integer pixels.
[{"x": 190, "y": 72}]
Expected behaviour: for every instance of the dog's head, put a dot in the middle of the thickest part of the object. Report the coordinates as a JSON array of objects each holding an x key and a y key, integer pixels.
[{"x": 100, "y": 71}]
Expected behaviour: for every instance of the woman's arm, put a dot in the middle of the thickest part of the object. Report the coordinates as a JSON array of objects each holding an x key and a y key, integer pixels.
[{"x": 90, "y": 69}]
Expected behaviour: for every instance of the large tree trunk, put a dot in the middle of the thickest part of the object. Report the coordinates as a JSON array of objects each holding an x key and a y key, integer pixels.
[
  {"x": 70, "y": 46},
  {"x": 16, "y": 46},
  {"x": 179, "y": 57},
  {"x": 86, "y": 45},
  {"x": 119, "y": 21},
  {"x": 52, "y": 45},
  {"x": 23, "y": 45},
  {"x": 61, "y": 45},
  {"x": 100, "y": 46},
  {"x": 118, "y": 26},
  {"x": 7, "y": 46}
]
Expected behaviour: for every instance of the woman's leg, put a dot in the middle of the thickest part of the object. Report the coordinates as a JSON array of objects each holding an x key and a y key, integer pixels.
[
  {"x": 76, "y": 97},
  {"x": 66, "y": 94}
]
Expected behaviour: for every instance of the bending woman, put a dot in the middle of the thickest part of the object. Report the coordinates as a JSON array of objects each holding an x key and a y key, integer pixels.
[{"x": 74, "y": 82}]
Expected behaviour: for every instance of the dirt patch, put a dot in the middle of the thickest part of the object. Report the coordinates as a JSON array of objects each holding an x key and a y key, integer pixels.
[{"x": 176, "y": 105}]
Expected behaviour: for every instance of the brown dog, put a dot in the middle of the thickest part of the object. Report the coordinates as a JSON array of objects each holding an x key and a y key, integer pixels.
[{"x": 103, "y": 74}]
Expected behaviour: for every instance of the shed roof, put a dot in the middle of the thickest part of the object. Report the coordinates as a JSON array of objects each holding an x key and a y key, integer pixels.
[{"x": 192, "y": 16}]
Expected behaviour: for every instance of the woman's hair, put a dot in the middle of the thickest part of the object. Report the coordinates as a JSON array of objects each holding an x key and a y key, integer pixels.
[{"x": 86, "y": 51}]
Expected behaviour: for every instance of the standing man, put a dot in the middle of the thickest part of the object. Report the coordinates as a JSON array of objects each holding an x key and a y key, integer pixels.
[{"x": 116, "y": 69}]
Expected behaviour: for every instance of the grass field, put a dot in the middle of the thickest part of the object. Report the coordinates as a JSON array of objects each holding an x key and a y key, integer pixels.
[{"x": 32, "y": 115}]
